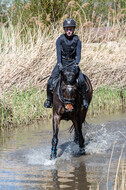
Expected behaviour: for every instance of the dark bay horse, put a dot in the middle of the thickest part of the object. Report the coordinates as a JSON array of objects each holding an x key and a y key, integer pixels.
[{"x": 67, "y": 106}]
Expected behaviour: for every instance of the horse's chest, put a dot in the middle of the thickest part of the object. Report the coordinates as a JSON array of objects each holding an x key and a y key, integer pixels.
[
  {"x": 66, "y": 115},
  {"x": 59, "y": 109}
]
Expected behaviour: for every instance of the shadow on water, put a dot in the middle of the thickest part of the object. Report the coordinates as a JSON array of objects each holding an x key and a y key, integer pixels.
[
  {"x": 63, "y": 147},
  {"x": 71, "y": 148},
  {"x": 25, "y": 153}
]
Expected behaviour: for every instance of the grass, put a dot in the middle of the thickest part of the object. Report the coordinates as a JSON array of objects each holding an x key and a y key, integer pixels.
[
  {"x": 24, "y": 106},
  {"x": 108, "y": 100}
]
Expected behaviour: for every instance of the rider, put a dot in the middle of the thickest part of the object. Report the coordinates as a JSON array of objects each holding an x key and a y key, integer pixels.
[{"x": 68, "y": 47}]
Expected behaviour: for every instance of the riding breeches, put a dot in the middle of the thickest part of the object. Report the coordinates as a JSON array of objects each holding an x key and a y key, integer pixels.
[{"x": 54, "y": 78}]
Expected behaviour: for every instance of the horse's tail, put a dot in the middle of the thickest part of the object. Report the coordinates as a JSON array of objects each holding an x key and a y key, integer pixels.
[
  {"x": 84, "y": 124},
  {"x": 71, "y": 128}
]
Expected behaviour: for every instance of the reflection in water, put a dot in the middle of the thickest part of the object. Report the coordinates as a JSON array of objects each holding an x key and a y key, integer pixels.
[
  {"x": 72, "y": 179},
  {"x": 25, "y": 164}
]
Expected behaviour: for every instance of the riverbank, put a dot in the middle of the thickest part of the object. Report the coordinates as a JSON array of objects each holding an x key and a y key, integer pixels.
[
  {"x": 26, "y": 106},
  {"x": 28, "y": 60},
  {"x": 23, "y": 65}
]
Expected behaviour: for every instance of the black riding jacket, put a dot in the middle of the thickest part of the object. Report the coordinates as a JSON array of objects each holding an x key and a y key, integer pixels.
[{"x": 68, "y": 48}]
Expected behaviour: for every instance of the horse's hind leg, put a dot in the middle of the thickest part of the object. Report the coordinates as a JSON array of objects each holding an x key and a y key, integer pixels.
[
  {"x": 79, "y": 136},
  {"x": 56, "y": 121},
  {"x": 81, "y": 142},
  {"x": 76, "y": 136}
]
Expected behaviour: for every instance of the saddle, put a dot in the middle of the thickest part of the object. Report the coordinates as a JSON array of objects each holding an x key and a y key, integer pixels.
[{"x": 57, "y": 80}]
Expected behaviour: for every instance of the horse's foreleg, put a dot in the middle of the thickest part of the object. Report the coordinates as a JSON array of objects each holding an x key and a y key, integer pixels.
[{"x": 56, "y": 120}]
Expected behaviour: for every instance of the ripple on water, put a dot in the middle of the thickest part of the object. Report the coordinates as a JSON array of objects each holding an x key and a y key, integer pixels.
[{"x": 25, "y": 162}]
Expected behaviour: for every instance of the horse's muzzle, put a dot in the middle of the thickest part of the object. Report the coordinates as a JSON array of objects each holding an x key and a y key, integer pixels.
[
  {"x": 69, "y": 104},
  {"x": 69, "y": 107}
]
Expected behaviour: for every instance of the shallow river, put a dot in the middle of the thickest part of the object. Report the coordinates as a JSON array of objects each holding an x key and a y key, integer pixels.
[{"x": 25, "y": 153}]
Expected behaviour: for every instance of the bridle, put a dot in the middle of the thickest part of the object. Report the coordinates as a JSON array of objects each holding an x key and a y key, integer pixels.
[
  {"x": 62, "y": 98},
  {"x": 69, "y": 100},
  {"x": 65, "y": 84}
]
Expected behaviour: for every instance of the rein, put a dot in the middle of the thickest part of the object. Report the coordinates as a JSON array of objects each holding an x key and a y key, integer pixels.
[{"x": 56, "y": 72}]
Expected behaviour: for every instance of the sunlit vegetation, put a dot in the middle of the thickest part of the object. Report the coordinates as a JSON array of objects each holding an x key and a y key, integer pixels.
[
  {"x": 27, "y": 105},
  {"x": 28, "y": 33}
]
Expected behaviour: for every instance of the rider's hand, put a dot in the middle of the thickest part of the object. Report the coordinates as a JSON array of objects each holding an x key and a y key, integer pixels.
[
  {"x": 76, "y": 65},
  {"x": 60, "y": 66}
]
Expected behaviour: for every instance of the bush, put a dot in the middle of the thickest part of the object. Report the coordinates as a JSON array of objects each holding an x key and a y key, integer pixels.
[{"x": 43, "y": 13}]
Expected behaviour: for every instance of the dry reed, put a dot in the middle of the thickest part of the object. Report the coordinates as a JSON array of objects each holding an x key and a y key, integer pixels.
[
  {"x": 29, "y": 55},
  {"x": 31, "y": 59}
]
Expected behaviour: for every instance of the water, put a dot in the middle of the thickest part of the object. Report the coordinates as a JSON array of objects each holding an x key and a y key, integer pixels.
[{"x": 25, "y": 153}]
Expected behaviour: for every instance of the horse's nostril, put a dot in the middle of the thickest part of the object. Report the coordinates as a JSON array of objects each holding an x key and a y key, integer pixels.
[{"x": 69, "y": 107}]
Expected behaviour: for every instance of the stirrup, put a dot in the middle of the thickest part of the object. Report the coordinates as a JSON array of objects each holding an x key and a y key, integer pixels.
[
  {"x": 48, "y": 104},
  {"x": 85, "y": 103}
]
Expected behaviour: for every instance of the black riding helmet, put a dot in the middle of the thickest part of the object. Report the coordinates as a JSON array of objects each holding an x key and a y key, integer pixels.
[{"x": 69, "y": 23}]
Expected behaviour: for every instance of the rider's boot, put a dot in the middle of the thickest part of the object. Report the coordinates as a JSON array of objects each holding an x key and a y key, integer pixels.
[
  {"x": 84, "y": 98},
  {"x": 49, "y": 100}
]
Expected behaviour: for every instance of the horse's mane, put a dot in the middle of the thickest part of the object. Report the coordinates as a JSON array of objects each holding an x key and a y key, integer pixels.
[{"x": 72, "y": 68}]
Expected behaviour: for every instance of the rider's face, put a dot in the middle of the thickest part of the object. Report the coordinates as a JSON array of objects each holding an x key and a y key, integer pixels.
[{"x": 69, "y": 30}]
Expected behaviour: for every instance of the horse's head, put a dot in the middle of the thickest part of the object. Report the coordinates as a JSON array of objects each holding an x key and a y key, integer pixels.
[
  {"x": 69, "y": 86},
  {"x": 70, "y": 74}
]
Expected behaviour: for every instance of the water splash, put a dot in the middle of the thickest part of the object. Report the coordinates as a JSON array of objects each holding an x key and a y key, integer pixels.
[
  {"x": 99, "y": 139},
  {"x": 39, "y": 156}
]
